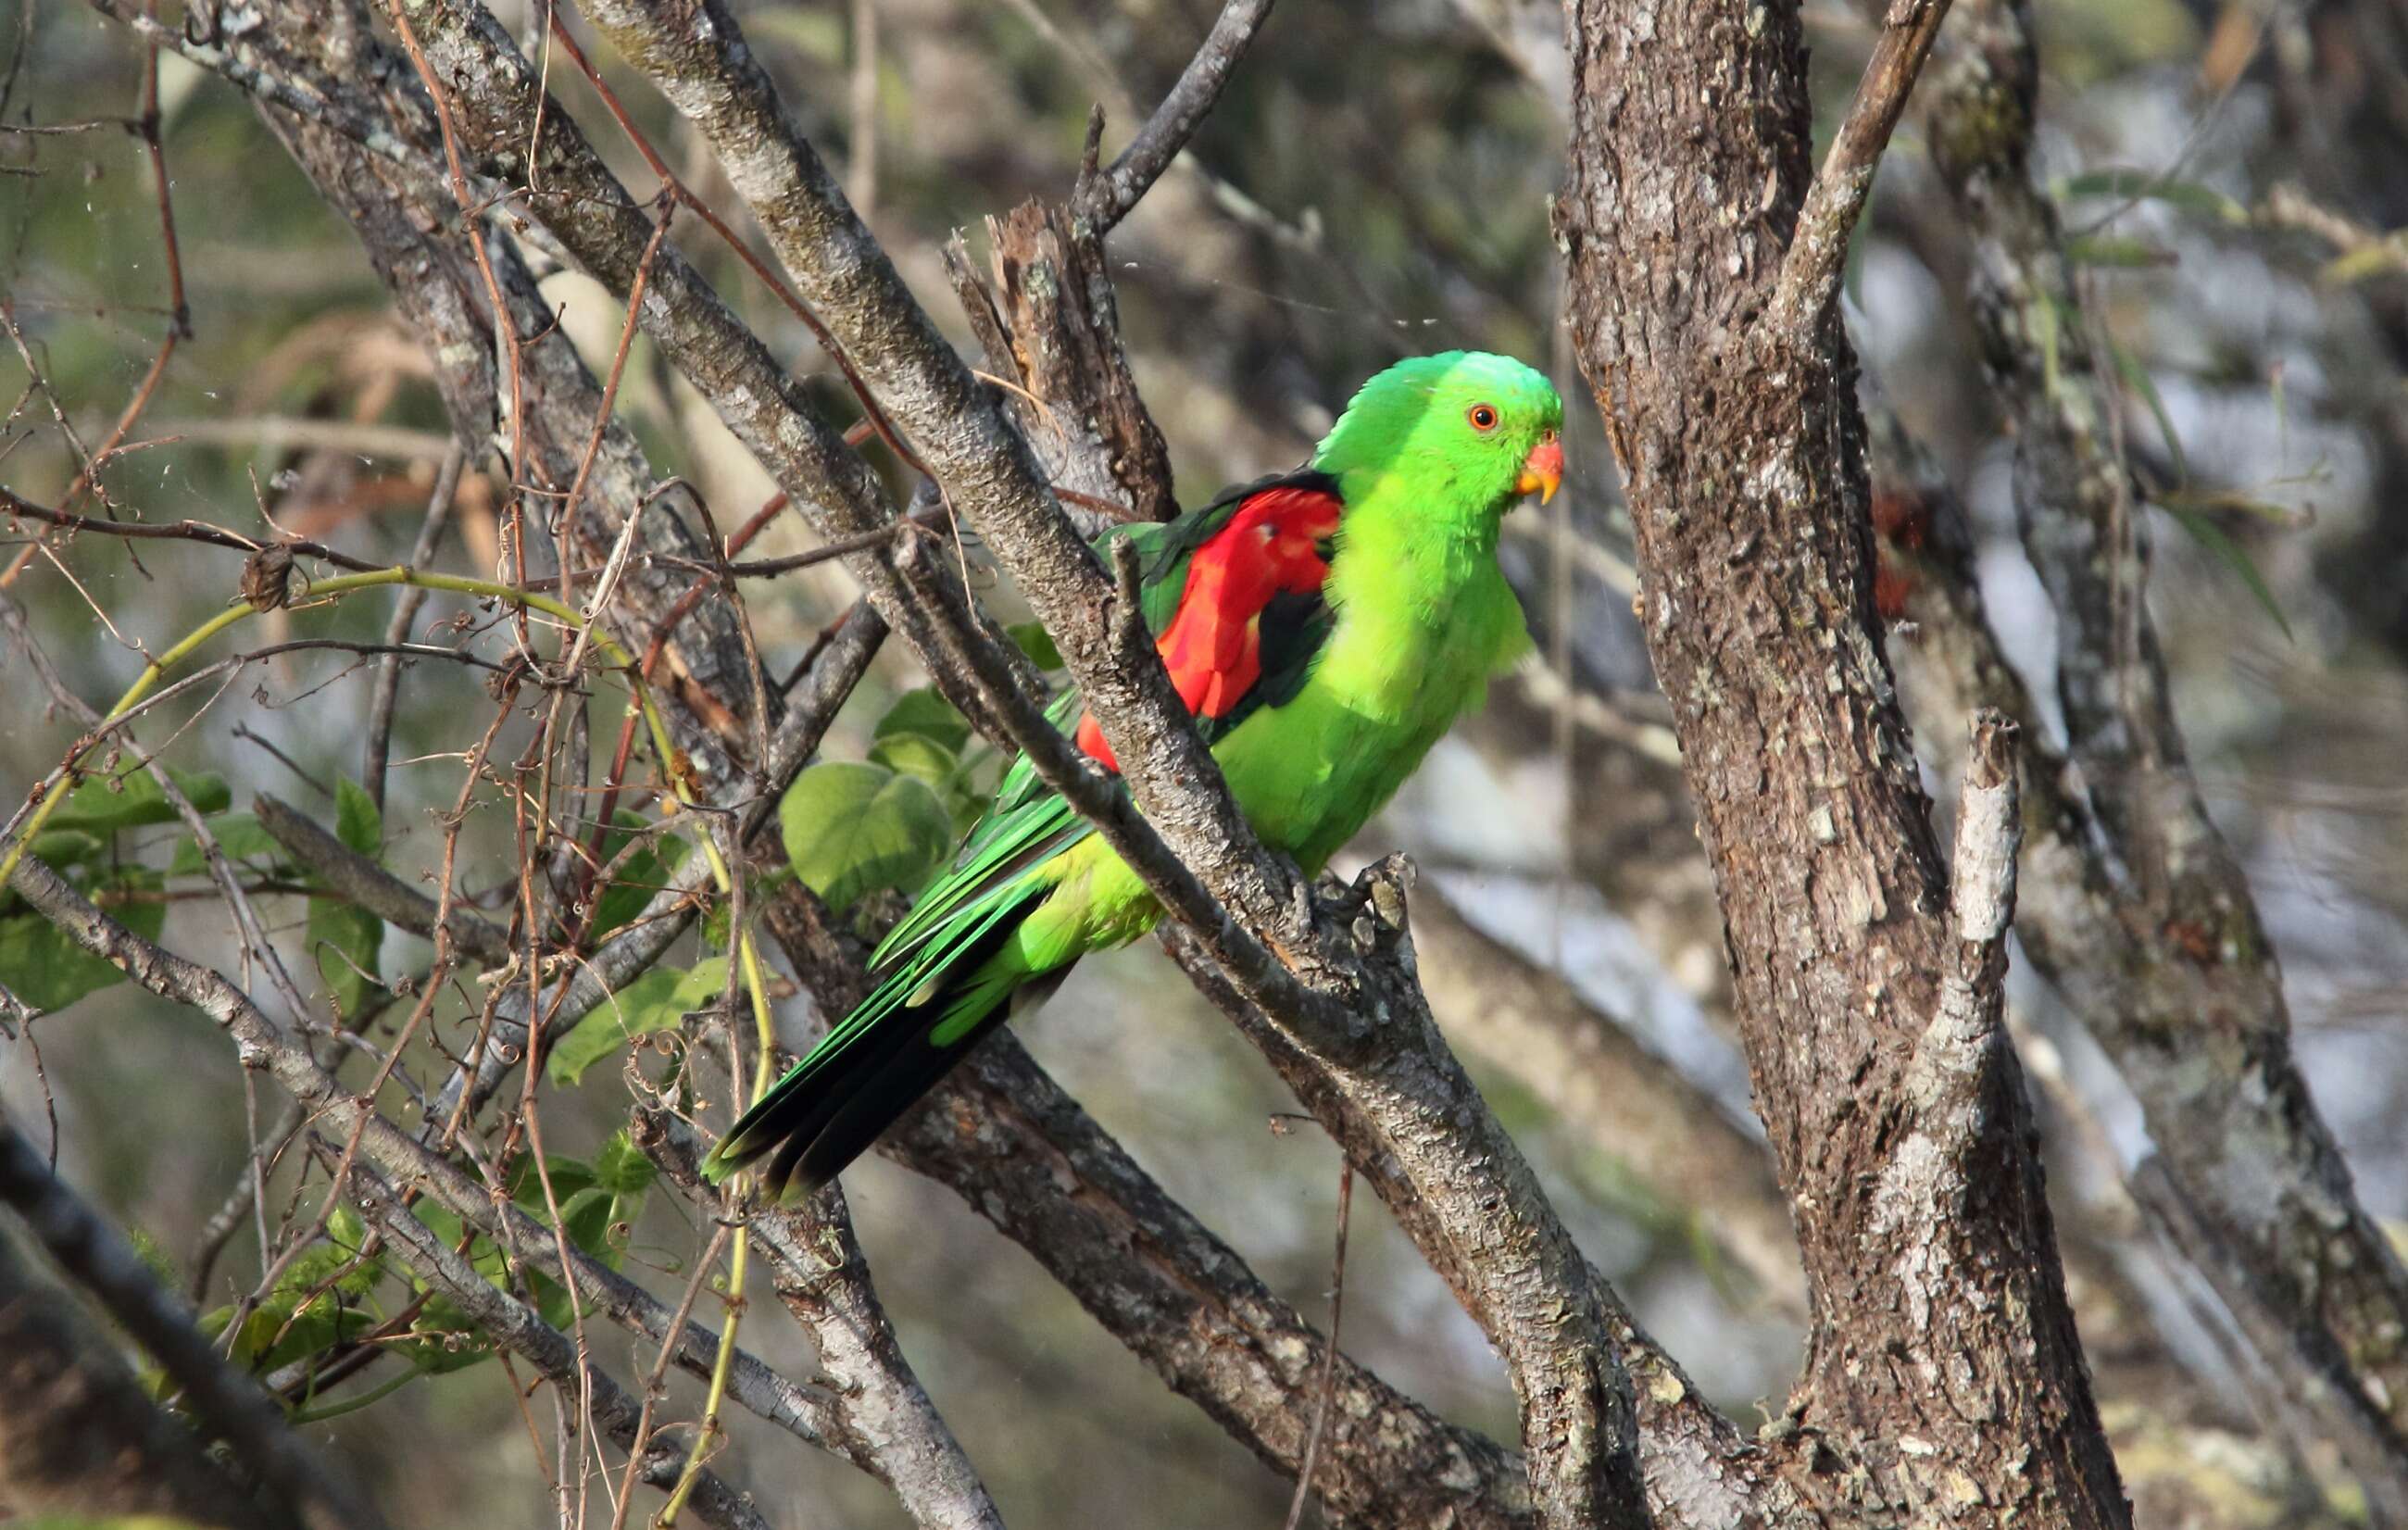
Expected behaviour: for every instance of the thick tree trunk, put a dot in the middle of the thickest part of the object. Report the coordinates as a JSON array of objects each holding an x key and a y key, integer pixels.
[{"x": 1942, "y": 1356}]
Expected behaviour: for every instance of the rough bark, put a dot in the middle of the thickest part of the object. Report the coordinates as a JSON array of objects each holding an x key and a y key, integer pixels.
[
  {"x": 1048, "y": 320},
  {"x": 1943, "y": 1360}
]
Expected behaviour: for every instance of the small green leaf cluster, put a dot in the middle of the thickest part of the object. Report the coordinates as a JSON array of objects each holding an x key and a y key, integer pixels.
[
  {"x": 38, "y": 963},
  {"x": 645, "y": 872},
  {"x": 342, "y": 1291},
  {"x": 659, "y": 1000},
  {"x": 346, "y": 938},
  {"x": 83, "y": 843}
]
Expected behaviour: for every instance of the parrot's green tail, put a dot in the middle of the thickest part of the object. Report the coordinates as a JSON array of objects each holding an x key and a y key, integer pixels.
[{"x": 863, "y": 1074}]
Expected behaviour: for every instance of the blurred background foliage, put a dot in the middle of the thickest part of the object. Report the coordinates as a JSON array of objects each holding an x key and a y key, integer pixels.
[{"x": 1375, "y": 183}]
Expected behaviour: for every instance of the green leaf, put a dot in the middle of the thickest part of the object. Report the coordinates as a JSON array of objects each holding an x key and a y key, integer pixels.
[
  {"x": 1037, "y": 643},
  {"x": 656, "y": 1001},
  {"x": 965, "y": 804},
  {"x": 154, "y": 1257},
  {"x": 853, "y": 829},
  {"x": 924, "y": 711},
  {"x": 308, "y": 1313},
  {"x": 2233, "y": 501},
  {"x": 239, "y": 834},
  {"x": 552, "y": 1302},
  {"x": 586, "y": 1217},
  {"x": 444, "y": 1338},
  {"x": 2118, "y": 251},
  {"x": 567, "y": 1176},
  {"x": 64, "y": 848},
  {"x": 916, "y": 754},
  {"x": 358, "y": 823},
  {"x": 2136, "y": 377},
  {"x": 2378, "y": 257},
  {"x": 646, "y": 872},
  {"x": 621, "y": 1167},
  {"x": 347, "y": 939},
  {"x": 347, "y": 1232},
  {"x": 2128, "y": 185},
  {"x": 441, "y": 1220},
  {"x": 48, "y": 972},
  {"x": 130, "y": 798},
  {"x": 2207, "y": 534}
]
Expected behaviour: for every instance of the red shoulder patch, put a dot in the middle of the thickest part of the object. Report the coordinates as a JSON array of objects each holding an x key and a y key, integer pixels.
[{"x": 1214, "y": 646}]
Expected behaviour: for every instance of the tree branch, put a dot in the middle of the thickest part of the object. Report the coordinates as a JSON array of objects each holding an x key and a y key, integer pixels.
[
  {"x": 1005, "y": 1137},
  {"x": 1951, "y": 1081},
  {"x": 260, "y": 1041},
  {"x": 1629, "y": 1102},
  {"x": 1050, "y": 321},
  {"x": 1105, "y": 200},
  {"x": 819, "y": 1273},
  {"x": 1818, "y": 250},
  {"x": 1373, "y": 1424},
  {"x": 2135, "y": 907},
  {"x": 361, "y": 881},
  {"x": 1741, "y": 449},
  {"x": 1576, "y": 1413},
  {"x": 649, "y": 935},
  {"x": 99, "y": 1259},
  {"x": 79, "y": 1438}
]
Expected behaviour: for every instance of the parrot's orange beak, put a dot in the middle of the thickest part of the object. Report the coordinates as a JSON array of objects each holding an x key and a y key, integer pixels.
[{"x": 1542, "y": 471}]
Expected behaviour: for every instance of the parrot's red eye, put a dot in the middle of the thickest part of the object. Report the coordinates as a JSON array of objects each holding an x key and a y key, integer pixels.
[{"x": 1483, "y": 418}]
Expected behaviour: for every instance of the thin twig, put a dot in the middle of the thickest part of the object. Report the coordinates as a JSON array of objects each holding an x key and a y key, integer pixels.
[
  {"x": 362, "y": 882},
  {"x": 513, "y": 1324},
  {"x": 175, "y": 530},
  {"x": 384, "y": 694},
  {"x": 1818, "y": 255},
  {"x": 1329, "y": 1355},
  {"x": 1109, "y": 199},
  {"x": 799, "y": 1410}
]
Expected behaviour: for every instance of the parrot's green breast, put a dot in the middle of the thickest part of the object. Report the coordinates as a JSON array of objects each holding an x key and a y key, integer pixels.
[{"x": 1405, "y": 660}]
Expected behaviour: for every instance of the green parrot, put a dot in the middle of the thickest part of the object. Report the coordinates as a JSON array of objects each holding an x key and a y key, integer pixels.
[{"x": 1326, "y": 628}]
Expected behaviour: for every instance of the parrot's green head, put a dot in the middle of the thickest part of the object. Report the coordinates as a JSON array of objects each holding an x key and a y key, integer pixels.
[{"x": 1466, "y": 433}]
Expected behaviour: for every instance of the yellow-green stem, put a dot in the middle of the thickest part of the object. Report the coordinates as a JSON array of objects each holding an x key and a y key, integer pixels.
[
  {"x": 186, "y": 646},
  {"x": 748, "y": 955}
]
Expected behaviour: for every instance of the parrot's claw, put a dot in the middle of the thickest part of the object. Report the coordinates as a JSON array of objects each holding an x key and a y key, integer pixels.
[{"x": 1372, "y": 907}]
